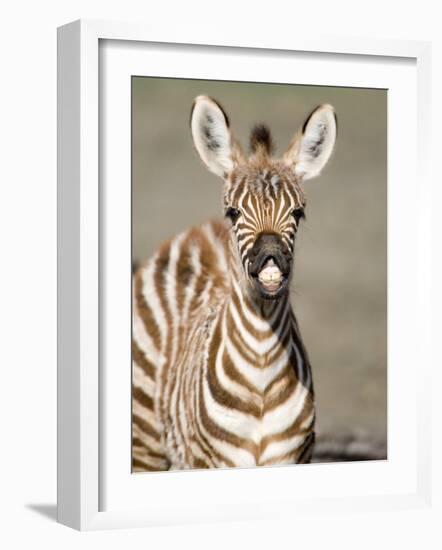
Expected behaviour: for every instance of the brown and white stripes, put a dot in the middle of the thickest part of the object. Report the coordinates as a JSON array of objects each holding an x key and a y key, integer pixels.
[{"x": 220, "y": 374}]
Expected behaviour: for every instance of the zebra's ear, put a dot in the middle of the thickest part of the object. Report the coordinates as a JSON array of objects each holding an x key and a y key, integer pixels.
[
  {"x": 211, "y": 135},
  {"x": 312, "y": 147}
]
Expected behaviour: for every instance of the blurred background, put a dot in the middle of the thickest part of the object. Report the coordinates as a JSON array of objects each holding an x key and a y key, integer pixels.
[{"x": 339, "y": 289}]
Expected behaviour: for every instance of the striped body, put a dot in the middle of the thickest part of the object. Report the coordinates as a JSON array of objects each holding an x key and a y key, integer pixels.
[{"x": 216, "y": 383}]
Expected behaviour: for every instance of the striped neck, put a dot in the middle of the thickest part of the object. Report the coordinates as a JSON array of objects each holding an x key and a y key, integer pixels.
[
  {"x": 257, "y": 332},
  {"x": 265, "y": 313}
]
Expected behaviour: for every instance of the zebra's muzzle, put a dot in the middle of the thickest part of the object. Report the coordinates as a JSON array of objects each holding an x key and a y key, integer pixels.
[{"x": 270, "y": 266}]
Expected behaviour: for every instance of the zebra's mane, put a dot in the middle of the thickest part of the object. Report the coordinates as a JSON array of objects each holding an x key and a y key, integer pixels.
[{"x": 261, "y": 140}]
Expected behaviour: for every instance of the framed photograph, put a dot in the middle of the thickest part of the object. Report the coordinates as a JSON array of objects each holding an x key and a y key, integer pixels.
[{"x": 241, "y": 257}]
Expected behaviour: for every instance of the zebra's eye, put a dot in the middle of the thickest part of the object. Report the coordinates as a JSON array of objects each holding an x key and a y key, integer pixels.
[
  {"x": 232, "y": 213},
  {"x": 298, "y": 214}
]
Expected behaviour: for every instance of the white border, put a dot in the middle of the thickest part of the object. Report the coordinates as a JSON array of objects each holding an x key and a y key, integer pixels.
[
  {"x": 118, "y": 62},
  {"x": 79, "y": 328}
]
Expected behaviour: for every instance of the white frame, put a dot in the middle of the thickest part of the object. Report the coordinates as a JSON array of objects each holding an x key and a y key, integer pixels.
[{"x": 78, "y": 265}]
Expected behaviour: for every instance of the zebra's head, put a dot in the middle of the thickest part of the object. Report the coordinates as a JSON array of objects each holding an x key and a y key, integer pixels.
[{"x": 263, "y": 196}]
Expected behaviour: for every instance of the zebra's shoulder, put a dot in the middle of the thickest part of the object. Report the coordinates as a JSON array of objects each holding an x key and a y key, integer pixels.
[
  {"x": 199, "y": 252},
  {"x": 203, "y": 252}
]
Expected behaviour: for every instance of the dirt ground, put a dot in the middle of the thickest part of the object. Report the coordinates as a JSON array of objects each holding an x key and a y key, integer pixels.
[{"x": 339, "y": 291}]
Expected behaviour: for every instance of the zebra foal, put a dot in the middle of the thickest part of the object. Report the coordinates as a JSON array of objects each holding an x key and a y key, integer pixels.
[{"x": 220, "y": 374}]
